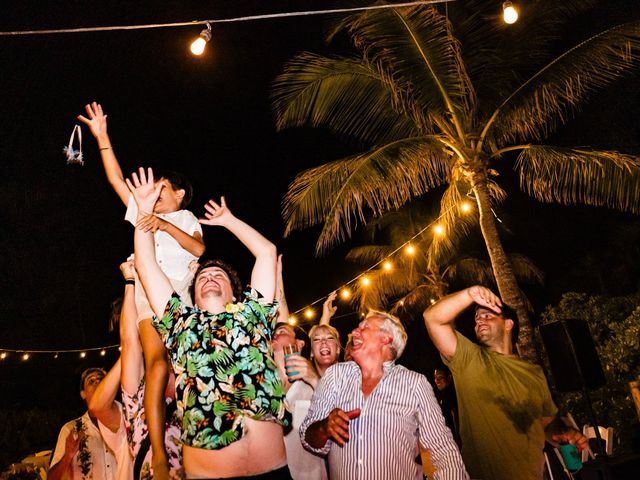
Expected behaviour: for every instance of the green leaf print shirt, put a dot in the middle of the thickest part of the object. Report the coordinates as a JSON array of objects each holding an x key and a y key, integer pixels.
[{"x": 224, "y": 368}]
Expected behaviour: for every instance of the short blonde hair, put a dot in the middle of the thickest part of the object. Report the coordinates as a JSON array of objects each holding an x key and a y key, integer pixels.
[
  {"x": 393, "y": 326},
  {"x": 328, "y": 328}
]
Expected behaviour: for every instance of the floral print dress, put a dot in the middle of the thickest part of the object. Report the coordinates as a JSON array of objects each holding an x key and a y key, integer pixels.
[{"x": 137, "y": 432}]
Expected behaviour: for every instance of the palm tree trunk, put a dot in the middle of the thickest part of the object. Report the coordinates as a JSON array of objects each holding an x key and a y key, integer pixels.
[{"x": 505, "y": 279}]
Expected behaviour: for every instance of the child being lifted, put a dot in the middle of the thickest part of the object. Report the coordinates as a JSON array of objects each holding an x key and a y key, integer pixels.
[{"x": 178, "y": 240}]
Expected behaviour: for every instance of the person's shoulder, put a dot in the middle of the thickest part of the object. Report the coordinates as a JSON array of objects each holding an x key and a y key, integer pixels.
[
  {"x": 410, "y": 376},
  {"x": 342, "y": 368}
]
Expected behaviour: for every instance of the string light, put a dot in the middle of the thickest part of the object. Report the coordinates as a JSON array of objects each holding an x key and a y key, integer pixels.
[
  {"x": 222, "y": 20},
  {"x": 409, "y": 249},
  {"x": 199, "y": 44},
  {"x": 309, "y": 313},
  {"x": 509, "y": 12},
  {"x": 292, "y": 320},
  {"x": 81, "y": 352}
]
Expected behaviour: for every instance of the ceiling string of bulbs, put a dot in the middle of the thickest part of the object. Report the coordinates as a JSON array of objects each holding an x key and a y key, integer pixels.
[
  {"x": 409, "y": 249},
  {"x": 510, "y": 15}
]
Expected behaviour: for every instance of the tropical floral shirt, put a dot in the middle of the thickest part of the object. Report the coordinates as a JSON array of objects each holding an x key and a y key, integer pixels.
[
  {"x": 137, "y": 431},
  {"x": 224, "y": 368}
]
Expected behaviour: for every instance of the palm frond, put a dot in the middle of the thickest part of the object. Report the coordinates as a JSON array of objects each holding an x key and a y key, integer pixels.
[
  {"x": 469, "y": 271},
  {"x": 555, "y": 92},
  {"x": 525, "y": 270},
  {"x": 574, "y": 176},
  {"x": 369, "y": 254},
  {"x": 496, "y": 57},
  {"x": 418, "y": 46},
  {"x": 454, "y": 223},
  {"x": 347, "y": 95},
  {"x": 379, "y": 180}
]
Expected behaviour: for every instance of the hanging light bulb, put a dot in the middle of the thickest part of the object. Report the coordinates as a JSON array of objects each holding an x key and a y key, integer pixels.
[
  {"x": 3, "y": 355},
  {"x": 345, "y": 293},
  {"x": 510, "y": 14},
  {"x": 103, "y": 352},
  {"x": 83, "y": 354},
  {"x": 465, "y": 207},
  {"x": 365, "y": 281},
  {"x": 56, "y": 355},
  {"x": 25, "y": 356},
  {"x": 292, "y": 320},
  {"x": 410, "y": 249},
  {"x": 309, "y": 313},
  {"x": 387, "y": 265},
  {"x": 438, "y": 229},
  {"x": 198, "y": 45}
]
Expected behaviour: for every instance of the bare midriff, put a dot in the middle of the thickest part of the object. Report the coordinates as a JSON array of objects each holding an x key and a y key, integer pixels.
[{"x": 260, "y": 450}]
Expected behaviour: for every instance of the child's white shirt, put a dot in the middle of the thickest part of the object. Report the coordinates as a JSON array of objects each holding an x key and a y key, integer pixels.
[{"x": 171, "y": 257}]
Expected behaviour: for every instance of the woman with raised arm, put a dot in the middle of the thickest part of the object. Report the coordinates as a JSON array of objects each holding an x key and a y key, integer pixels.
[{"x": 325, "y": 339}]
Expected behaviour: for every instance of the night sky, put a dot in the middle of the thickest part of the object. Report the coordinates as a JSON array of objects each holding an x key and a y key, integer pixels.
[{"x": 63, "y": 234}]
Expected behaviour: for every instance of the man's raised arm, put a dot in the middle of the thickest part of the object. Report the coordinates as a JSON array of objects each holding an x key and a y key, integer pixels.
[
  {"x": 440, "y": 317},
  {"x": 263, "y": 276}
]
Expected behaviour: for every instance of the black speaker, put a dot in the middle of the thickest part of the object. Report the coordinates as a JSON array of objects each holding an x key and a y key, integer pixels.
[{"x": 572, "y": 355}]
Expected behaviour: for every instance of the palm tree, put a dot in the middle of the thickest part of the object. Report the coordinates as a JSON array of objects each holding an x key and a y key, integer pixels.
[
  {"x": 415, "y": 280},
  {"x": 438, "y": 105}
]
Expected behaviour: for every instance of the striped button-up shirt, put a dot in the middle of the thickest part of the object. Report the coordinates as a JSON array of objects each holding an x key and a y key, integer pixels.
[{"x": 383, "y": 441}]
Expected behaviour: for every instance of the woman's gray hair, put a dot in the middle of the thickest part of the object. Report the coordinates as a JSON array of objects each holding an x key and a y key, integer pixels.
[{"x": 393, "y": 326}]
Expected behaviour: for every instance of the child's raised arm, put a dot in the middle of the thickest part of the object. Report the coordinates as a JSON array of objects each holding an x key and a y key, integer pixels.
[{"x": 97, "y": 123}]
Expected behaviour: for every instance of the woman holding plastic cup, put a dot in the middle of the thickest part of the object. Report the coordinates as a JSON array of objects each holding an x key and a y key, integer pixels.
[{"x": 299, "y": 379}]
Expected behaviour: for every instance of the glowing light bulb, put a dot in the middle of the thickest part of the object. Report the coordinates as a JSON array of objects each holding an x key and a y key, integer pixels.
[
  {"x": 433, "y": 300},
  {"x": 465, "y": 207},
  {"x": 103, "y": 352},
  {"x": 55, "y": 356},
  {"x": 509, "y": 12},
  {"x": 401, "y": 302},
  {"x": 438, "y": 229},
  {"x": 119, "y": 349},
  {"x": 309, "y": 313},
  {"x": 83, "y": 354},
  {"x": 365, "y": 281},
  {"x": 410, "y": 249},
  {"x": 3, "y": 355},
  {"x": 345, "y": 293},
  {"x": 387, "y": 265},
  {"x": 292, "y": 320},
  {"x": 199, "y": 44},
  {"x": 25, "y": 356}
]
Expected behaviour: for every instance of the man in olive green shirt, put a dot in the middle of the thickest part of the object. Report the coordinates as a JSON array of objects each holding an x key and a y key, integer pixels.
[{"x": 504, "y": 404}]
